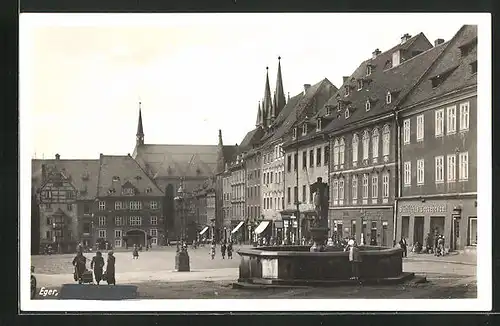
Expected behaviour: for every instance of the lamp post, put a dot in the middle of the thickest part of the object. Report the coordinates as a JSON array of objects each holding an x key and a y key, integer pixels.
[
  {"x": 362, "y": 240},
  {"x": 182, "y": 256}
]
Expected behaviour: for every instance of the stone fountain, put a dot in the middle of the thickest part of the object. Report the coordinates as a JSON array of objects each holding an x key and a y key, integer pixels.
[{"x": 318, "y": 265}]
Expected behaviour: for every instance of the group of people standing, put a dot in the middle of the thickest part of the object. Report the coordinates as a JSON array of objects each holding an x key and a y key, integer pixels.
[
  {"x": 223, "y": 249},
  {"x": 97, "y": 265}
]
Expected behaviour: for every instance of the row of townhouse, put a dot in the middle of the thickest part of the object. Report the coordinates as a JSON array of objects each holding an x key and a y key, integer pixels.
[{"x": 396, "y": 144}]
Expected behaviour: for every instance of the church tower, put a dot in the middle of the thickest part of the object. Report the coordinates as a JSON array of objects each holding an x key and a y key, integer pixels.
[
  {"x": 267, "y": 104},
  {"x": 279, "y": 94},
  {"x": 139, "y": 137}
]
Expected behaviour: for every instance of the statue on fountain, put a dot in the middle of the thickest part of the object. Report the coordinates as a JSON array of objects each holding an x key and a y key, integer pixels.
[{"x": 319, "y": 224}]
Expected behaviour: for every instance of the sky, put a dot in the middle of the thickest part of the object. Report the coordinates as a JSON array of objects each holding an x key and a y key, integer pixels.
[{"x": 82, "y": 75}]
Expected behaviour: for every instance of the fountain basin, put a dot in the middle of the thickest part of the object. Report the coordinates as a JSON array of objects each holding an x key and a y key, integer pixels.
[{"x": 295, "y": 265}]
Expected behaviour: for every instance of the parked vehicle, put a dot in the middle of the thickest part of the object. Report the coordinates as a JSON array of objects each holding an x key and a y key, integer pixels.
[{"x": 33, "y": 283}]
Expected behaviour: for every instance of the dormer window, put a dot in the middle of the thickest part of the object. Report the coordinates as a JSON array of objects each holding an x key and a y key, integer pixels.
[
  {"x": 388, "y": 98},
  {"x": 328, "y": 110},
  {"x": 347, "y": 113},
  {"x": 148, "y": 190},
  {"x": 360, "y": 84},
  {"x": 294, "y": 133},
  {"x": 473, "y": 67},
  {"x": 368, "y": 70},
  {"x": 318, "y": 124},
  {"x": 116, "y": 178},
  {"x": 368, "y": 105},
  {"x": 346, "y": 91},
  {"x": 304, "y": 129}
]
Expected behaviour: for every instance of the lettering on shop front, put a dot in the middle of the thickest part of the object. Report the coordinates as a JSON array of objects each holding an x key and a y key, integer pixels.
[{"x": 423, "y": 209}]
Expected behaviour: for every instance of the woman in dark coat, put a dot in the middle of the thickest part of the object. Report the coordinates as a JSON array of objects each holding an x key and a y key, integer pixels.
[
  {"x": 110, "y": 269},
  {"x": 79, "y": 262},
  {"x": 97, "y": 264}
]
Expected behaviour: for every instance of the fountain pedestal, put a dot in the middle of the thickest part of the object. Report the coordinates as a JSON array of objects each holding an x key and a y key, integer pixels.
[{"x": 319, "y": 236}]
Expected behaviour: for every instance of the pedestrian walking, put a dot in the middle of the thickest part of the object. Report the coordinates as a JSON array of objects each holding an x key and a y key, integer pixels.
[
  {"x": 110, "y": 269},
  {"x": 212, "y": 250},
  {"x": 230, "y": 250},
  {"x": 404, "y": 246},
  {"x": 223, "y": 250},
  {"x": 97, "y": 264},
  {"x": 354, "y": 258},
  {"x": 135, "y": 252},
  {"x": 79, "y": 262}
]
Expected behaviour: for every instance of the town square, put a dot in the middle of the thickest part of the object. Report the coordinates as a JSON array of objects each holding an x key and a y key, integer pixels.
[{"x": 204, "y": 163}]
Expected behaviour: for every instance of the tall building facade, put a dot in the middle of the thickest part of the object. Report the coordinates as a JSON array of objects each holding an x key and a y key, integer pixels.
[{"x": 438, "y": 149}]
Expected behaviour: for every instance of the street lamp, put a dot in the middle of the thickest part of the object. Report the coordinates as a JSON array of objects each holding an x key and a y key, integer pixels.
[
  {"x": 182, "y": 256},
  {"x": 362, "y": 227}
]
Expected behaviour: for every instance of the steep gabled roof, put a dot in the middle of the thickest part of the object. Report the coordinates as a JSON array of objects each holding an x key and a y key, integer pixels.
[
  {"x": 451, "y": 63},
  {"x": 397, "y": 81},
  {"x": 82, "y": 174},
  {"x": 116, "y": 171},
  {"x": 251, "y": 138}
]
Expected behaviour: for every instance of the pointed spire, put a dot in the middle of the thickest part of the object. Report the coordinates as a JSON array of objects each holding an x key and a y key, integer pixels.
[
  {"x": 140, "y": 131},
  {"x": 220, "y": 137},
  {"x": 267, "y": 102},
  {"x": 220, "y": 155},
  {"x": 258, "y": 123},
  {"x": 280, "y": 93}
]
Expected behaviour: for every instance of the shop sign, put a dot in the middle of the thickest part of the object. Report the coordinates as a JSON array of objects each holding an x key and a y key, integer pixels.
[{"x": 423, "y": 209}]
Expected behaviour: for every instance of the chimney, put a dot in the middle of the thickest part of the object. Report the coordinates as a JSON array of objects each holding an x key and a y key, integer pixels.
[
  {"x": 58, "y": 157},
  {"x": 344, "y": 79},
  {"x": 376, "y": 53},
  {"x": 405, "y": 38},
  {"x": 438, "y": 41},
  {"x": 306, "y": 88}
]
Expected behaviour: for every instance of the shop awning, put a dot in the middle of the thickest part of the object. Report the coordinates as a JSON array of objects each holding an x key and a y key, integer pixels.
[
  {"x": 262, "y": 226},
  {"x": 237, "y": 227},
  {"x": 204, "y": 230}
]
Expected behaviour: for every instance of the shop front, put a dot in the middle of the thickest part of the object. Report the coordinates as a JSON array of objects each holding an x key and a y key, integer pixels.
[
  {"x": 238, "y": 232},
  {"x": 455, "y": 219},
  {"x": 263, "y": 232},
  {"x": 278, "y": 232},
  {"x": 369, "y": 226}
]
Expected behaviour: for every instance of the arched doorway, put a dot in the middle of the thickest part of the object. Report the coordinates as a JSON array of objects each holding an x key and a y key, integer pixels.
[{"x": 136, "y": 237}]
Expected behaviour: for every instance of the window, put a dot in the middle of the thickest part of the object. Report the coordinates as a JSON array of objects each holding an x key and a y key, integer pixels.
[
  {"x": 271, "y": 174},
  {"x": 304, "y": 160},
  {"x": 87, "y": 226},
  {"x": 295, "y": 162},
  {"x": 407, "y": 173},
  {"x": 420, "y": 127},
  {"x": 341, "y": 189},
  {"x": 368, "y": 105},
  {"x": 304, "y": 198},
  {"x": 86, "y": 208},
  {"x": 311, "y": 197},
  {"x": 439, "y": 165},
  {"x": 375, "y": 186},
  {"x": 318, "y": 125},
  {"x": 135, "y": 205},
  {"x": 318, "y": 156},
  {"x": 336, "y": 151},
  {"x": 473, "y": 67},
  {"x": 154, "y": 220},
  {"x": 463, "y": 161},
  {"x": 327, "y": 154},
  {"x": 347, "y": 113},
  {"x": 451, "y": 168},
  {"x": 289, "y": 163},
  {"x": 464, "y": 116},
  {"x": 355, "y": 143},
  {"x": 154, "y": 241},
  {"x": 153, "y": 232},
  {"x": 304, "y": 129},
  {"x": 451, "y": 121},
  {"x": 102, "y": 220},
  {"x": 135, "y": 221},
  {"x": 295, "y": 195},
  {"x": 368, "y": 70},
  {"x": 388, "y": 98},
  {"x": 69, "y": 207},
  {"x": 365, "y": 186},
  {"x": 118, "y": 221},
  {"x": 420, "y": 171},
  {"x": 102, "y": 205},
  {"x": 153, "y": 204},
  {"x": 342, "y": 151},
  {"x": 118, "y": 233},
  {"x": 439, "y": 122},
  {"x": 311, "y": 158},
  {"x": 118, "y": 243},
  {"x": 328, "y": 110},
  {"x": 335, "y": 190},
  {"x": 354, "y": 187},
  {"x": 386, "y": 140},
  {"x": 102, "y": 234},
  {"x": 375, "y": 141},
  {"x": 366, "y": 144},
  {"x": 360, "y": 84},
  {"x": 406, "y": 131},
  {"x": 385, "y": 185},
  {"x": 118, "y": 205},
  {"x": 294, "y": 133}
]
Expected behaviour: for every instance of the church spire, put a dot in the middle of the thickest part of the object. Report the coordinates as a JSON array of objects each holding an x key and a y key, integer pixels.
[
  {"x": 267, "y": 102},
  {"x": 220, "y": 155},
  {"x": 140, "y": 130},
  {"x": 279, "y": 97},
  {"x": 258, "y": 123}
]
